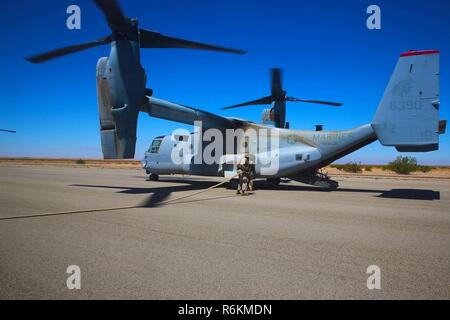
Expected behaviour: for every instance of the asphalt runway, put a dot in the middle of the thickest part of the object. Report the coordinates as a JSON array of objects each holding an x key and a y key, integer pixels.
[{"x": 291, "y": 242}]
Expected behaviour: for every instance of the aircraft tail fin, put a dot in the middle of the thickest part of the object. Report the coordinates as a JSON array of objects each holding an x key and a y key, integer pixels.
[{"x": 408, "y": 114}]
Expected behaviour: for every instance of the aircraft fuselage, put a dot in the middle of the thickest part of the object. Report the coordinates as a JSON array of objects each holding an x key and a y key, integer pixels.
[{"x": 280, "y": 153}]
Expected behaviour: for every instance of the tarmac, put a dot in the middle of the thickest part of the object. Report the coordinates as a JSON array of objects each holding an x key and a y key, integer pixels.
[{"x": 286, "y": 242}]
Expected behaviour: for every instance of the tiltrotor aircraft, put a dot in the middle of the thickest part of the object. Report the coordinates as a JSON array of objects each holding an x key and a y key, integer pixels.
[{"x": 407, "y": 117}]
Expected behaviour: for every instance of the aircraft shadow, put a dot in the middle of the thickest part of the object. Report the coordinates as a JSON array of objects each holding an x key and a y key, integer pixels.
[
  {"x": 407, "y": 194},
  {"x": 162, "y": 193},
  {"x": 411, "y": 194},
  {"x": 158, "y": 194}
]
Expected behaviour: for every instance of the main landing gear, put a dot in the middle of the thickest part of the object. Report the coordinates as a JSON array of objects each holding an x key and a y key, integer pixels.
[
  {"x": 233, "y": 184},
  {"x": 153, "y": 177},
  {"x": 273, "y": 182},
  {"x": 317, "y": 178}
]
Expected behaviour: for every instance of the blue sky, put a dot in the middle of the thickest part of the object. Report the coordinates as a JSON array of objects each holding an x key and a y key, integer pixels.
[{"x": 324, "y": 47}]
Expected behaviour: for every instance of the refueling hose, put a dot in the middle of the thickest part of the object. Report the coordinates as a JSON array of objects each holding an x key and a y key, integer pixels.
[{"x": 38, "y": 215}]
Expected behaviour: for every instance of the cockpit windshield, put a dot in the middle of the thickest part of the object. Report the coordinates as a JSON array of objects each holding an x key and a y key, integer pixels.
[{"x": 156, "y": 144}]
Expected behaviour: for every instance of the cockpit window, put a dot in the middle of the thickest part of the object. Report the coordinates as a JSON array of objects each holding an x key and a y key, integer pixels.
[{"x": 156, "y": 144}]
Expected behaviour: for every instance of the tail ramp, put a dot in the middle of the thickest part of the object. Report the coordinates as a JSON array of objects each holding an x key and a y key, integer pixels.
[{"x": 408, "y": 115}]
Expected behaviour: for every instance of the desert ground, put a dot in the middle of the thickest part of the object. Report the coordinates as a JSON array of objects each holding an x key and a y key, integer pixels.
[{"x": 286, "y": 242}]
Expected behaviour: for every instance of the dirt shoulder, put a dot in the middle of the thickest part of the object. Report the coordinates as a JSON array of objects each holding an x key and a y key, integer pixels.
[
  {"x": 376, "y": 171},
  {"x": 87, "y": 163}
]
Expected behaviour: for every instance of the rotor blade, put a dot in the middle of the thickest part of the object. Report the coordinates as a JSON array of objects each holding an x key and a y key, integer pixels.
[
  {"x": 112, "y": 11},
  {"x": 151, "y": 39},
  {"x": 335, "y": 104},
  {"x": 67, "y": 50},
  {"x": 265, "y": 100},
  {"x": 277, "y": 85},
  {"x": 9, "y": 131}
]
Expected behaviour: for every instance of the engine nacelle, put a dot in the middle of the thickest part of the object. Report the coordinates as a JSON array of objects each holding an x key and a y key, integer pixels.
[
  {"x": 107, "y": 124},
  {"x": 117, "y": 124}
]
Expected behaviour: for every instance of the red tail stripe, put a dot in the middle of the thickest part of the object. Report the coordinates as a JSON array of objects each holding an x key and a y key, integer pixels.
[{"x": 418, "y": 53}]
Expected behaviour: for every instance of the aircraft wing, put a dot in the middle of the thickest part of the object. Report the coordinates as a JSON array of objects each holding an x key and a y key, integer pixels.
[{"x": 167, "y": 110}]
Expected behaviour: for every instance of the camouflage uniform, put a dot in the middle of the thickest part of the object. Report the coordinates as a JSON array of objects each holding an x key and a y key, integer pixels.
[{"x": 246, "y": 170}]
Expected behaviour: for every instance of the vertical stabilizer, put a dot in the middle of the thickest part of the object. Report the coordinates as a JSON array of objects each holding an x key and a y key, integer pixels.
[{"x": 408, "y": 115}]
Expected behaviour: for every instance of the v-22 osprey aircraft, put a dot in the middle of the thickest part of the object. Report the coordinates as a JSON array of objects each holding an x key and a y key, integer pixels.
[{"x": 407, "y": 117}]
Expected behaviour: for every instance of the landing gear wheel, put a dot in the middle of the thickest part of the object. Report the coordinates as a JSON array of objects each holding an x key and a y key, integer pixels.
[
  {"x": 233, "y": 184},
  {"x": 274, "y": 182},
  {"x": 333, "y": 185},
  {"x": 327, "y": 185},
  {"x": 153, "y": 177}
]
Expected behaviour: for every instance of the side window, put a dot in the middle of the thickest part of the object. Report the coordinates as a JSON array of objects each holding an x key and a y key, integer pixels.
[{"x": 156, "y": 144}]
